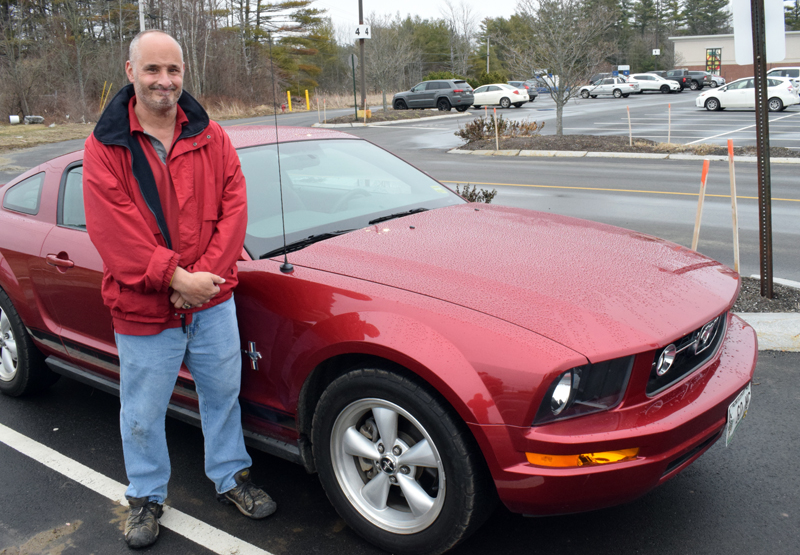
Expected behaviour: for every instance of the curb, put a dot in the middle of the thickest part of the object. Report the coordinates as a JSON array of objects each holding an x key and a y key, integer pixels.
[
  {"x": 584, "y": 154},
  {"x": 381, "y": 123},
  {"x": 777, "y": 331}
]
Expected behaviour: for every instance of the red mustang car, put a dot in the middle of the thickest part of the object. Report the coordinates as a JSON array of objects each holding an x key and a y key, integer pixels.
[{"x": 425, "y": 355}]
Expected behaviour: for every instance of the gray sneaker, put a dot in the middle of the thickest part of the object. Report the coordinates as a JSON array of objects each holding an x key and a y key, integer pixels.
[
  {"x": 141, "y": 528},
  {"x": 251, "y": 500}
]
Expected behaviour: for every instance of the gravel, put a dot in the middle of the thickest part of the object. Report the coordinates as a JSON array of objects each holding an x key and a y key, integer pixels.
[{"x": 785, "y": 298}]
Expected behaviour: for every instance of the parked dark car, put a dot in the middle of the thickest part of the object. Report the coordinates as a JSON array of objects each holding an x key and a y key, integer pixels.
[
  {"x": 529, "y": 86},
  {"x": 442, "y": 94},
  {"x": 700, "y": 79},
  {"x": 694, "y": 80}
]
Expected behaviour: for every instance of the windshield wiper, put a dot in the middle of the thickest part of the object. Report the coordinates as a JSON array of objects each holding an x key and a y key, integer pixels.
[
  {"x": 303, "y": 243},
  {"x": 397, "y": 215}
]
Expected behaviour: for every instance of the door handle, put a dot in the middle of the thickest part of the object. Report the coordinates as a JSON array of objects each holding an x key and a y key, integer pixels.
[{"x": 54, "y": 260}]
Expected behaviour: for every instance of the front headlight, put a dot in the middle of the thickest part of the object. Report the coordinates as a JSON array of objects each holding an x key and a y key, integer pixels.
[{"x": 584, "y": 390}]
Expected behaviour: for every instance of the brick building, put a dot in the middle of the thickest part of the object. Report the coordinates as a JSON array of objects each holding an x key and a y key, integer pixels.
[{"x": 695, "y": 51}]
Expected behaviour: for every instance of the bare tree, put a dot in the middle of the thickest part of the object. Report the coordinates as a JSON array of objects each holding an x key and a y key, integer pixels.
[
  {"x": 461, "y": 24},
  {"x": 387, "y": 54},
  {"x": 566, "y": 40}
]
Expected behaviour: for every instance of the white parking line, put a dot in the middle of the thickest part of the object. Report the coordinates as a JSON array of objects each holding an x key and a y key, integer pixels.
[
  {"x": 187, "y": 526},
  {"x": 741, "y": 129}
]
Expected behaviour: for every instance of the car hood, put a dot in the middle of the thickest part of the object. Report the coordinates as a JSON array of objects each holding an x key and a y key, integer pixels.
[{"x": 600, "y": 290}]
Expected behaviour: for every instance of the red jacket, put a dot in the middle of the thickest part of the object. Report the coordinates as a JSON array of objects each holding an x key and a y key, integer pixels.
[{"x": 138, "y": 259}]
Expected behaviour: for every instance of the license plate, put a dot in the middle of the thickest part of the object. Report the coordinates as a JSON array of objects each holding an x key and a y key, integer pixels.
[{"x": 736, "y": 412}]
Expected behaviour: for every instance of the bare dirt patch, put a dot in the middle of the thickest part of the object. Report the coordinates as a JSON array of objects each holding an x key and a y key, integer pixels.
[
  {"x": 594, "y": 143},
  {"x": 391, "y": 115},
  {"x": 14, "y": 137},
  {"x": 785, "y": 298}
]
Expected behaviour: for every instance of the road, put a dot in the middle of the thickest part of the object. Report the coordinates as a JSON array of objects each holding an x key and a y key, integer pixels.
[{"x": 740, "y": 499}]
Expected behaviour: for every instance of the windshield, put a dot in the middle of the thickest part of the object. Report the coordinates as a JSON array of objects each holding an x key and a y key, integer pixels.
[{"x": 329, "y": 186}]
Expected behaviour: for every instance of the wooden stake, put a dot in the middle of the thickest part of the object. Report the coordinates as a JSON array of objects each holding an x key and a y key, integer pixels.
[
  {"x": 630, "y": 130},
  {"x": 700, "y": 201},
  {"x": 316, "y": 97},
  {"x": 325, "y": 110},
  {"x": 669, "y": 124},
  {"x": 734, "y": 207},
  {"x": 496, "y": 135}
]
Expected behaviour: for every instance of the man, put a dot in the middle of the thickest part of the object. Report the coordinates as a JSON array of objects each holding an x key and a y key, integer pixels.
[{"x": 166, "y": 208}]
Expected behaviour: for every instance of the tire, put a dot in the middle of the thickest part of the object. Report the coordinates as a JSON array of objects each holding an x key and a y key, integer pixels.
[
  {"x": 443, "y": 105},
  {"x": 775, "y": 104},
  {"x": 617, "y": 93},
  {"x": 400, "y": 105},
  {"x": 505, "y": 102},
  {"x": 712, "y": 105},
  {"x": 518, "y": 104},
  {"x": 664, "y": 89},
  {"x": 366, "y": 482},
  {"x": 584, "y": 94},
  {"x": 461, "y": 108},
  {"x": 695, "y": 86},
  {"x": 713, "y": 84},
  {"x": 22, "y": 368}
]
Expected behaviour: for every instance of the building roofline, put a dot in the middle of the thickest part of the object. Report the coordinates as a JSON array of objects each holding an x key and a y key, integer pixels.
[{"x": 728, "y": 36}]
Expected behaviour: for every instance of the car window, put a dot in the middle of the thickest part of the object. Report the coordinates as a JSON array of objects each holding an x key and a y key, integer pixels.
[
  {"x": 71, "y": 209},
  {"x": 482, "y": 89},
  {"x": 329, "y": 185},
  {"x": 748, "y": 84},
  {"x": 26, "y": 195},
  {"x": 418, "y": 87},
  {"x": 493, "y": 88},
  {"x": 607, "y": 82},
  {"x": 774, "y": 82}
]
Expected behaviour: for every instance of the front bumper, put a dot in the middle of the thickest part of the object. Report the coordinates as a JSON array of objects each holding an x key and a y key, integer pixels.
[
  {"x": 671, "y": 430},
  {"x": 700, "y": 101}
]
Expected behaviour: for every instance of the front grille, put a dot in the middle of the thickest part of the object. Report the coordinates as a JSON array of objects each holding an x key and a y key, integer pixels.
[{"x": 690, "y": 352}]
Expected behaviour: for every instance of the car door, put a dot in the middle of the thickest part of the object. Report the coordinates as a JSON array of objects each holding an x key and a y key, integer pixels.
[
  {"x": 481, "y": 96},
  {"x": 741, "y": 94},
  {"x": 416, "y": 95},
  {"x": 70, "y": 277},
  {"x": 495, "y": 94}
]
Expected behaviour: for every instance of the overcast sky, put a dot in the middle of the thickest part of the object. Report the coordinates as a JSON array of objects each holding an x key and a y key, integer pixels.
[{"x": 345, "y": 12}]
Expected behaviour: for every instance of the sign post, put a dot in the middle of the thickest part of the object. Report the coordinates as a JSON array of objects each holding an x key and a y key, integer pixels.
[{"x": 352, "y": 61}]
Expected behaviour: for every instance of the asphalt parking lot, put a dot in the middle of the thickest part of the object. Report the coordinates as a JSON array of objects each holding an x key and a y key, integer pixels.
[{"x": 660, "y": 117}]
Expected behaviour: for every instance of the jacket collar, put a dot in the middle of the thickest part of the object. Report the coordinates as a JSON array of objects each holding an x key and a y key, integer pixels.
[{"x": 115, "y": 126}]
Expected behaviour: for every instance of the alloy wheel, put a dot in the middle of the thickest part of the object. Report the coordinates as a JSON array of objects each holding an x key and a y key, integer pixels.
[
  {"x": 388, "y": 466},
  {"x": 8, "y": 349}
]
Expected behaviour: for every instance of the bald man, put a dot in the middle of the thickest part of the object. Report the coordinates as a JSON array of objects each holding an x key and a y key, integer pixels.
[{"x": 166, "y": 208}]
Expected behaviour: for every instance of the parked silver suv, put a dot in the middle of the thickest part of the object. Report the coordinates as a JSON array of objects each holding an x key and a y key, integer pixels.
[{"x": 443, "y": 94}]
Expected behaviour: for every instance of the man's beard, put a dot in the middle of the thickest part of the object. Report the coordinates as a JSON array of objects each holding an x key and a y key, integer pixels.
[{"x": 157, "y": 102}]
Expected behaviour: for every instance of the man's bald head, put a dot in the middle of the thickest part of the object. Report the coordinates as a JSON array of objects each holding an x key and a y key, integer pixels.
[{"x": 133, "y": 49}]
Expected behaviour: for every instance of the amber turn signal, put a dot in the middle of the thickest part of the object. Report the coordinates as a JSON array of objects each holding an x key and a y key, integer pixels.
[{"x": 586, "y": 459}]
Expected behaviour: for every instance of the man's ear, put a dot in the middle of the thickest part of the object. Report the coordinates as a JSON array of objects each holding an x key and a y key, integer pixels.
[{"x": 129, "y": 71}]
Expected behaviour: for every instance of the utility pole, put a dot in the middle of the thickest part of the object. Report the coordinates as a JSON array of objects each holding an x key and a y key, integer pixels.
[
  {"x": 363, "y": 59},
  {"x": 141, "y": 15},
  {"x": 487, "y": 53}
]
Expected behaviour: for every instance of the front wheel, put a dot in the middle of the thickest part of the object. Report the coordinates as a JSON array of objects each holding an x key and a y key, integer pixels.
[
  {"x": 22, "y": 370},
  {"x": 400, "y": 105},
  {"x": 617, "y": 93},
  {"x": 505, "y": 102},
  {"x": 712, "y": 105},
  {"x": 443, "y": 105},
  {"x": 664, "y": 89},
  {"x": 461, "y": 108},
  {"x": 713, "y": 84},
  {"x": 584, "y": 94},
  {"x": 775, "y": 104},
  {"x": 397, "y": 463}
]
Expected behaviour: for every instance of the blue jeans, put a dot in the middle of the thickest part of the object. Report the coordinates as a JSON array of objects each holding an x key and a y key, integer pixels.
[{"x": 149, "y": 368}]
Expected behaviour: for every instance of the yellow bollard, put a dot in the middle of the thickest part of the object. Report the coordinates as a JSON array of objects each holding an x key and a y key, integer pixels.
[
  {"x": 308, "y": 104},
  {"x": 289, "y": 99}
]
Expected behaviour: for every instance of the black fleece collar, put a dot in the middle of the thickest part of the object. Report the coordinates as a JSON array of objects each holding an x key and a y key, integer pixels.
[{"x": 114, "y": 126}]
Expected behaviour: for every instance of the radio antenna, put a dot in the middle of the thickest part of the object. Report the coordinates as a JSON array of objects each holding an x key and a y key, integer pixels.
[{"x": 286, "y": 268}]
